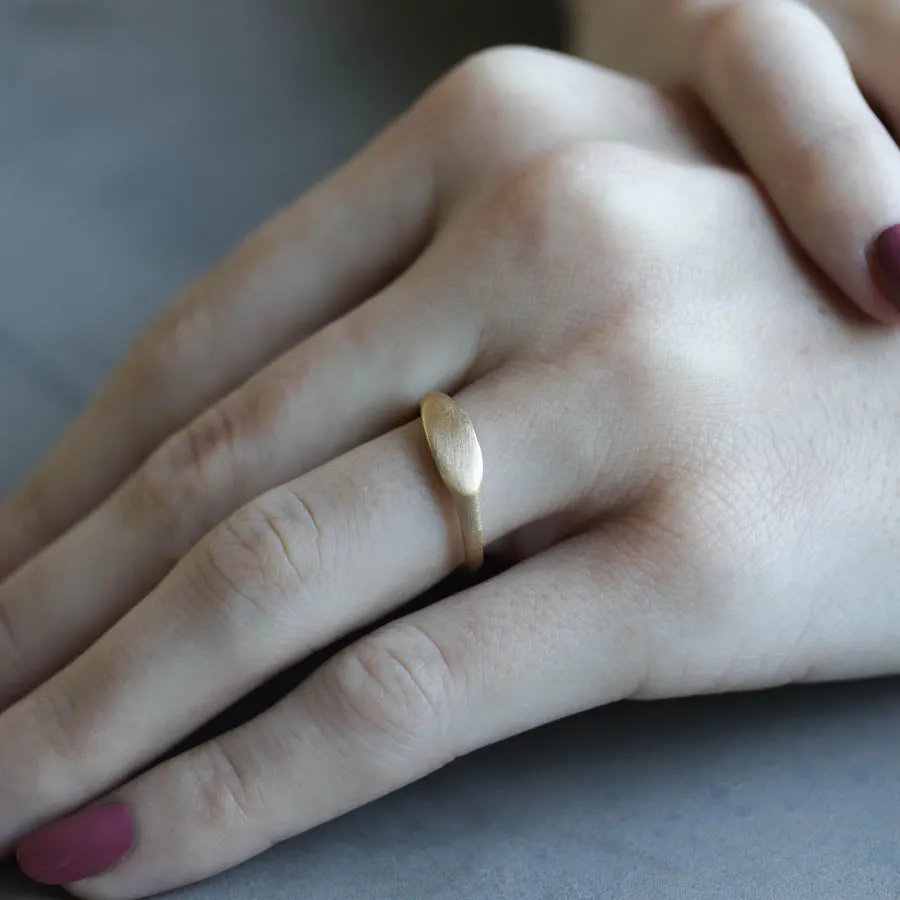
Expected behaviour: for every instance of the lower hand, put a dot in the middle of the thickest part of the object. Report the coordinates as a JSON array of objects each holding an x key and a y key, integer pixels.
[{"x": 689, "y": 454}]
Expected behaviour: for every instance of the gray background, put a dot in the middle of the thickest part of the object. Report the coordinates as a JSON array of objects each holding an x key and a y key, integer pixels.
[{"x": 138, "y": 141}]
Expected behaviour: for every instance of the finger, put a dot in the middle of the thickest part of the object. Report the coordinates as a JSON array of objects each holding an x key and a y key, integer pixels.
[
  {"x": 351, "y": 381},
  {"x": 354, "y": 379},
  {"x": 572, "y": 629},
  {"x": 307, "y": 266},
  {"x": 869, "y": 33},
  {"x": 778, "y": 81},
  {"x": 332, "y": 249},
  {"x": 538, "y": 643},
  {"x": 345, "y": 385},
  {"x": 289, "y": 574}
]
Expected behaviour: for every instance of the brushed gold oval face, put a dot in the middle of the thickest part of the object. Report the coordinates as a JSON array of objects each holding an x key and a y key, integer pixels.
[{"x": 454, "y": 446}]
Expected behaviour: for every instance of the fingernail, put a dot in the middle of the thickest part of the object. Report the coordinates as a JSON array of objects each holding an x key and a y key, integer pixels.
[
  {"x": 885, "y": 263},
  {"x": 81, "y": 846}
]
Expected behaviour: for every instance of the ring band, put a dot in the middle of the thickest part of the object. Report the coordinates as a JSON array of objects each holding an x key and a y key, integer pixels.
[{"x": 457, "y": 455}]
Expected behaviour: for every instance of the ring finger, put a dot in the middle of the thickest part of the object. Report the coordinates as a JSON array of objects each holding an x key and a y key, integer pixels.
[
  {"x": 300, "y": 567},
  {"x": 352, "y": 381},
  {"x": 357, "y": 377},
  {"x": 328, "y": 253}
]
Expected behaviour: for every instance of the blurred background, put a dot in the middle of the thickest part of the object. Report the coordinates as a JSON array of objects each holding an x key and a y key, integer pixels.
[{"x": 139, "y": 140}]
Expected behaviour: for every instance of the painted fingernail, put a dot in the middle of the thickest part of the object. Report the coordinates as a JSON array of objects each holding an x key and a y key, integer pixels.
[
  {"x": 885, "y": 262},
  {"x": 81, "y": 846}
]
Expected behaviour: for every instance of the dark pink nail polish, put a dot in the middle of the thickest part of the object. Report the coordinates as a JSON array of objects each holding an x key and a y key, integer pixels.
[
  {"x": 885, "y": 263},
  {"x": 81, "y": 846}
]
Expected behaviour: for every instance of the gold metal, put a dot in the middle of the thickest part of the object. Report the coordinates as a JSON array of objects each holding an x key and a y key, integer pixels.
[{"x": 457, "y": 454}]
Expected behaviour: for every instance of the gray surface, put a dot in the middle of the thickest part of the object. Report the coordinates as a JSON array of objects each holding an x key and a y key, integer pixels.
[{"x": 138, "y": 140}]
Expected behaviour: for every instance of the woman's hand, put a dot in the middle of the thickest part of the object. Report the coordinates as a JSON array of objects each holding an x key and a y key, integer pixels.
[
  {"x": 786, "y": 80},
  {"x": 688, "y": 446}
]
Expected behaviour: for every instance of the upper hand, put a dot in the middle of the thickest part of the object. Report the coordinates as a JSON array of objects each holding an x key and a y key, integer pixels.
[
  {"x": 688, "y": 445},
  {"x": 790, "y": 83}
]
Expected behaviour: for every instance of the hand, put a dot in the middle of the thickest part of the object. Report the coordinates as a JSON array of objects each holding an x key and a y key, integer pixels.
[
  {"x": 779, "y": 77},
  {"x": 689, "y": 449}
]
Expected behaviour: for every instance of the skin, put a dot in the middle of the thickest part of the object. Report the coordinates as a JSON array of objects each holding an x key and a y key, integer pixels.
[
  {"x": 788, "y": 81},
  {"x": 689, "y": 447}
]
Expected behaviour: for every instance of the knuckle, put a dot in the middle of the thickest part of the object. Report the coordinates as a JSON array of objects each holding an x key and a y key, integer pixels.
[
  {"x": 574, "y": 197},
  {"x": 68, "y": 730},
  {"x": 486, "y": 76},
  {"x": 184, "y": 477},
  {"x": 181, "y": 342},
  {"x": 393, "y": 691},
  {"x": 34, "y": 508},
  {"x": 731, "y": 35},
  {"x": 170, "y": 347},
  {"x": 497, "y": 106},
  {"x": 199, "y": 474},
  {"x": 259, "y": 563},
  {"x": 223, "y": 792}
]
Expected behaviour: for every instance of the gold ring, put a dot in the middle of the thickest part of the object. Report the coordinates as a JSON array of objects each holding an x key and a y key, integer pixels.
[{"x": 457, "y": 454}]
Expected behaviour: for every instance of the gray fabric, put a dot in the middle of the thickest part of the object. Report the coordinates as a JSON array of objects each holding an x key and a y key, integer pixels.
[{"x": 138, "y": 141}]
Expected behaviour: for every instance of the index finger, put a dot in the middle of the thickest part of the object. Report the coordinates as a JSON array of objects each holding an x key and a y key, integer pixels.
[{"x": 780, "y": 84}]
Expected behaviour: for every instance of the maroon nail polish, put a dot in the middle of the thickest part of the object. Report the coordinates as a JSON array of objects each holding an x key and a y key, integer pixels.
[
  {"x": 885, "y": 263},
  {"x": 81, "y": 846}
]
